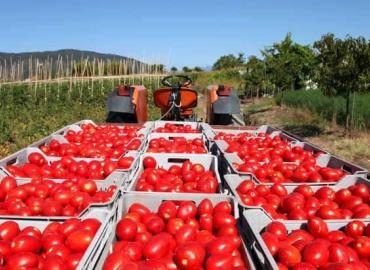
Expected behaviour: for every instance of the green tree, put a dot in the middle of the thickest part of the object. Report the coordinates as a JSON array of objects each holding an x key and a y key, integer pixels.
[
  {"x": 186, "y": 69},
  {"x": 173, "y": 69},
  {"x": 198, "y": 69},
  {"x": 289, "y": 64},
  {"x": 229, "y": 61},
  {"x": 255, "y": 76},
  {"x": 344, "y": 67}
]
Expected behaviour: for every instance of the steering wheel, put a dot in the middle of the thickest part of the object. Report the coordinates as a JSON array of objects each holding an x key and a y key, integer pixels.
[{"x": 180, "y": 81}]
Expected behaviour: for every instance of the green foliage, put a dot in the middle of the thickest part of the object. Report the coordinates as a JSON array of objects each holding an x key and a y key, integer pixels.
[
  {"x": 330, "y": 108},
  {"x": 198, "y": 69},
  {"x": 186, "y": 69},
  {"x": 173, "y": 69},
  {"x": 229, "y": 61},
  {"x": 289, "y": 64}
]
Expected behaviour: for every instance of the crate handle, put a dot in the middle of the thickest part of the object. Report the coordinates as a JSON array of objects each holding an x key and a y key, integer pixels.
[
  {"x": 12, "y": 161},
  {"x": 347, "y": 168},
  {"x": 177, "y": 160}
]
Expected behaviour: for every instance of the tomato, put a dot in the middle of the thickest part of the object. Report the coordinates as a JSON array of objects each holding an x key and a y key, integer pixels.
[
  {"x": 132, "y": 250},
  {"x": 149, "y": 162},
  {"x": 22, "y": 260},
  {"x": 138, "y": 208},
  {"x": 8, "y": 230},
  {"x": 73, "y": 260},
  {"x": 185, "y": 234},
  {"x": 355, "y": 228},
  {"x": 89, "y": 186},
  {"x": 125, "y": 162},
  {"x": 304, "y": 266},
  {"x": 8, "y": 183},
  {"x": 316, "y": 254},
  {"x": 154, "y": 224},
  {"x": 157, "y": 247},
  {"x": 187, "y": 210},
  {"x": 224, "y": 207},
  {"x": 271, "y": 241},
  {"x": 167, "y": 210},
  {"x": 37, "y": 159},
  {"x": 190, "y": 255},
  {"x": 337, "y": 253},
  {"x": 219, "y": 262},
  {"x": 221, "y": 219},
  {"x": 289, "y": 256},
  {"x": 305, "y": 190},
  {"x": 25, "y": 243},
  {"x": 278, "y": 229},
  {"x": 79, "y": 240},
  {"x": 115, "y": 261},
  {"x": 317, "y": 227},
  {"x": 205, "y": 207},
  {"x": 173, "y": 225},
  {"x": 126, "y": 229},
  {"x": 220, "y": 246},
  {"x": 91, "y": 224},
  {"x": 362, "y": 246},
  {"x": 245, "y": 186}
]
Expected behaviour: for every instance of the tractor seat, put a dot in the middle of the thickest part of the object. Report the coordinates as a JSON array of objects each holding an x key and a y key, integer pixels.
[{"x": 189, "y": 98}]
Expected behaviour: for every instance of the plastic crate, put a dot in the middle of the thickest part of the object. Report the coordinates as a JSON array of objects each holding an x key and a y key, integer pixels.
[
  {"x": 152, "y": 201},
  {"x": 254, "y": 221},
  {"x": 243, "y": 129},
  {"x": 111, "y": 205},
  {"x": 20, "y": 158},
  {"x": 89, "y": 257},
  {"x": 159, "y": 124},
  {"x": 171, "y": 136},
  {"x": 166, "y": 160},
  {"x": 232, "y": 181},
  {"x": 323, "y": 160}
]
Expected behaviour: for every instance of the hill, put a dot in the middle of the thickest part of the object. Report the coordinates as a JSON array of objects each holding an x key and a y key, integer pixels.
[{"x": 17, "y": 66}]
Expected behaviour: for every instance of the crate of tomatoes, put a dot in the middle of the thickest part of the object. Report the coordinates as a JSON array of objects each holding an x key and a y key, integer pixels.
[
  {"x": 348, "y": 199},
  {"x": 54, "y": 243},
  {"x": 192, "y": 143},
  {"x": 176, "y": 231},
  {"x": 33, "y": 163},
  {"x": 310, "y": 244},
  {"x": 191, "y": 173},
  {"x": 297, "y": 166},
  {"x": 176, "y": 127}
]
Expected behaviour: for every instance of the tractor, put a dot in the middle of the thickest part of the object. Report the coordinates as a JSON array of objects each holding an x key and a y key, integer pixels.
[{"x": 176, "y": 100}]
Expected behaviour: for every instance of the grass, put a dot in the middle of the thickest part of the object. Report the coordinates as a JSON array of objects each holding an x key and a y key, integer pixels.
[
  {"x": 314, "y": 128},
  {"x": 330, "y": 108}
]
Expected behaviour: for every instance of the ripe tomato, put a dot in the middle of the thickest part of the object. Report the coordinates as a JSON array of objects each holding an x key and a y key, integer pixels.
[
  {"x": 190, "y": 255},
  {"x": 355, "y": 228},
  {"x": 126, "y": 229},
  {"x": 79, "y": 240},
  {"x": 316, "y": 254},
  {"x": 25, "y": 243},
  {"x": 317, "y": 227},
  {"x": 278, "y": 229},
  {"x": 271, "y": 241},
  {"x": 125, "y": 162},
  {"x": 8, "y": 230},
  {"x": 157, "y": 247},
  {"x": 219, "y": 262},
  {"x": 149, "y": 162},
  {"x": 289, "y": 256}
]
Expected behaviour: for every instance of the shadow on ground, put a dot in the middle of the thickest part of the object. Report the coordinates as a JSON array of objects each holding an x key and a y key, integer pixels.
[{"x": 303, "y": 130}]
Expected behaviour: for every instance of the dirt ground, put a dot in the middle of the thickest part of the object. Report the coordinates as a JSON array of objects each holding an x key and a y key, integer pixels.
[{"x": 326, "y": 135}]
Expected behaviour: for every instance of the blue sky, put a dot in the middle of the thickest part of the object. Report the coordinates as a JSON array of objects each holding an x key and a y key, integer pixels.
[{"x": 175, "y": 32}]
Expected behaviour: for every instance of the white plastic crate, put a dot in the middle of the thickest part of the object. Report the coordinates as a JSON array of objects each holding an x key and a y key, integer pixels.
[
  {"x": 232, "y": 181},
  {"x": 171, "y": 136},
  {"x": 255, "y": 221},
  {"x": 167, "y": 160},
  {"x": 323, "y": 160},
  {"x": 21, "y": 157},
  {"x": 89, "y": 257},
  {"x": 152, "y": 201}
]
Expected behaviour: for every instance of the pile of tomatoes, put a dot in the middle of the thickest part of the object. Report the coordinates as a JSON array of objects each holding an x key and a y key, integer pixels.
[
  {"x": 318, "y": 247},
  {"x": 177, "y": 145},
  {"x": 59, "y": 246},
  {"x": 114, "y": 148},
  {"x": 186, "y": 178},
  {"x": 179, "y": 235},
  {"x": 230, "y": 137},
  {"x": 67, "y": 167},
  {"x": 178, "y": 128},
  {"x": 47, "y": 198},
  {"x": 304, "y": 203}
]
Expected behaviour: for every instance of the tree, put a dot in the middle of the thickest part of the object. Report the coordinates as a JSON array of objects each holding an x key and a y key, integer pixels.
[
  {"x": 344, "y": 67},
  {"x": 229, "y": 61},
  {"x": 198, "y": 69},
  {"x": 289, "y": 64},
  {"x": 173, "y": 69},
  {"x": 255, "y": 76},
  {"x": 186, "y": 69}
]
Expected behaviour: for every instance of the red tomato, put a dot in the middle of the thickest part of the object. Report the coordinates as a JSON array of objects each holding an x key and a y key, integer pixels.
[
  {"x": 190, "y": 255},
  {"x": 149, "y": 162},
  {"x": 289, "y": 256},
  {"x": 126, "y": 229},
  {"x": 219, "y": 262},
  {"x": 271, "y": 241},
  {"x": 157, "y": 247},
  {"x": 205, "y": 207},
  {"x": 337, "y": 253},
  {"x": 22, "y": 260},
  {"x": 362, "y": 246},
  {"x": 8, "y": 230},
  {"x": 277, "y": 228},
  {"x": 79, "y": 240},
  {"x": 317, "y": 227},
  {"x": 25, "y": 243},
  {"x": 355, "y": 228},
  {"x": 316, "y": 254}
]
